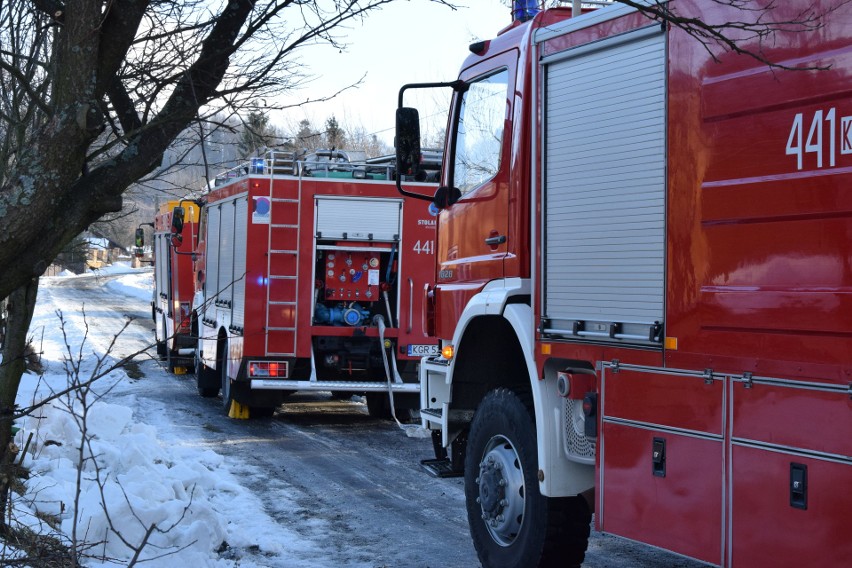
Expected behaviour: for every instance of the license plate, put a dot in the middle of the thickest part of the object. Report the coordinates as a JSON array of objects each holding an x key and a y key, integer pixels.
[{"x": 422, "y": 350}]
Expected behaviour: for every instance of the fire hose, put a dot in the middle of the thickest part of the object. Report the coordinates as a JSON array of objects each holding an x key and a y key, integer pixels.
[{"x": 411, "y": 430}]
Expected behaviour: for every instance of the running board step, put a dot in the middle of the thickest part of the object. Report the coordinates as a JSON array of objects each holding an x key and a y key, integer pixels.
[
  {"x": 432, "y": 415},
  {"x": 440, "y": 468},
  {"x": 272, "y": 384}
]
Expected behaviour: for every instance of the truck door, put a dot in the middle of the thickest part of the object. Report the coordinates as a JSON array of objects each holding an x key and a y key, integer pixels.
[{"x": 475, "y": 239}]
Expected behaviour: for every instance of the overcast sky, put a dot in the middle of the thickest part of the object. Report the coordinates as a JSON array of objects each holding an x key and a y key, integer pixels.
[{"x": 405, "y": 42}]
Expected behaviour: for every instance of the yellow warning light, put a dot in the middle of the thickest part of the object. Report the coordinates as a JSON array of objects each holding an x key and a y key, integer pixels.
[
  {"x": 671, "y": 343},
  {"x": 388, "y": 344},
  {"x": 545, "y": 348},
  {"x": 447, "y": 352}
]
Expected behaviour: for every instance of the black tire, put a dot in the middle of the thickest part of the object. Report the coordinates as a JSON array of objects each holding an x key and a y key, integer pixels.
[
  {"x": 161, "y": 343},
  {"x": 342, "y": 395},
  {"x": 378, "y": 405},
  {"x": 163, "y": 346},
  {"x": 511, "y": 523},
  {"x": 169, "y": 363},
  {"x": 206, "y": 380},
  {"x": 227, "y": 391},
  {"x": 261, "y": 411}
]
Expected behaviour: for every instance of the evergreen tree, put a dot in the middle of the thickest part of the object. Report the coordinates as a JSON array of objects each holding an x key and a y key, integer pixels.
[{"x": 335, "y": 136}]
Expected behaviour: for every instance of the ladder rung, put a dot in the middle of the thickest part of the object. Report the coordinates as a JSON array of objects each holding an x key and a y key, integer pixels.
[{"x": 289, "y": 168}]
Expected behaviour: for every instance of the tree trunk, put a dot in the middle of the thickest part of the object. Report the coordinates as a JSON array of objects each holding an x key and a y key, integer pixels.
[{"x": 21, "y": 304}]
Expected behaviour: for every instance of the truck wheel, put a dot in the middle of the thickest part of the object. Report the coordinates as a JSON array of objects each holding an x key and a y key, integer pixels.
[
  {"x": 161, "y": 344},
  {"x": 378, "y": 405},
  {"x": 227, "y": 396},
  {"x": 206, "y": 379},
  {"x": 261, "y": 411},
  {"x": 169, "y": 363},
  {"x": 202, "y": 379},
  {"x": 163, "y": 347},
  {"x": 511, "y": 523}
]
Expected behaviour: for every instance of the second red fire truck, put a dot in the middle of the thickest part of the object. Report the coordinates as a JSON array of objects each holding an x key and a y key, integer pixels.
[
  {"x": 644, "y": 285},
  {"x": 309, "y": 276}
]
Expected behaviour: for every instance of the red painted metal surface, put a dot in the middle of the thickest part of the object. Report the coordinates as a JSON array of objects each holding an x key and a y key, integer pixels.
[
  {"x": 758, "y": 282},
  {"x": 675, "y": 401},
  {"x": 179, "y": 276},
  {"x": 293, "y": 205},
  {"x": 767, "y": 531},
  {"x": 681, "y": 511},
  {"x": 759, "y": 224},
  {"x": 794, "y": 418}
]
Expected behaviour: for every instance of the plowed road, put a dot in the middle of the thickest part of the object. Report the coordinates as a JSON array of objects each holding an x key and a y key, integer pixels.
[{"x": 351, "y": 484}]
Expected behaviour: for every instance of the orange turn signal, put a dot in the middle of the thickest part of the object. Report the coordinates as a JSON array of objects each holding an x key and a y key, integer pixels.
[{"x": 447, "y": 352}]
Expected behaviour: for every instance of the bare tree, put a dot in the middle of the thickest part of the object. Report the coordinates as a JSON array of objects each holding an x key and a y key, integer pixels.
[
  {"x": 746, "y": 27},
  {"x": 95, "y": 92}
]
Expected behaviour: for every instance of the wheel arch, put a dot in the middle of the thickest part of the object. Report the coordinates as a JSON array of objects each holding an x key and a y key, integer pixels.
[
  {"x": 504, "y": 343},
  {"x": 221, "y": 347},
  {"x": 489, "y": 356}
]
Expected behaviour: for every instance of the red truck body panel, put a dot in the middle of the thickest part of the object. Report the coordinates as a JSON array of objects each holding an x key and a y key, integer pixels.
[
  {"x": 174, "y": 280},
  {"x": 311, "y": 260},
  {"x": 743, "y": 381}
]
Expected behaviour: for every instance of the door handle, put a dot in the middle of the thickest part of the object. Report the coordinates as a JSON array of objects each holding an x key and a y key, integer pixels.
[{"x": 494, "y": 241}]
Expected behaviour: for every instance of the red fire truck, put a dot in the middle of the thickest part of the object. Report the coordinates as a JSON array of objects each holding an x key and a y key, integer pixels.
[
  {"x": 309, "y": 277},
  {"x": 644, "y": 267},
  {"x": 174, "y": 287}
]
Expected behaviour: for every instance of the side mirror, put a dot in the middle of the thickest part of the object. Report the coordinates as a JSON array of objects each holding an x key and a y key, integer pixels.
[
  {"x": 446, "y": 196},
  {"x": 408, "y": 154},
  {"x": 140, "y": 238},
  {"x": 177, "y": 220}
]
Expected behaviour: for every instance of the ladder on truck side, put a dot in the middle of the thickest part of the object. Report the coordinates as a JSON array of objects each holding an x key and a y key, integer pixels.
[{"x": 282, "y": 260}]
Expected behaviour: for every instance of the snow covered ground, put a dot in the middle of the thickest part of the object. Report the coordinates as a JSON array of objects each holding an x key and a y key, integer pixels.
[{"x": 176, "y": 495}]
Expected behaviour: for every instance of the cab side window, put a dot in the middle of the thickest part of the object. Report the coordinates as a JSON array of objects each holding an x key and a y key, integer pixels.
[{"x": 479, "y": 135}]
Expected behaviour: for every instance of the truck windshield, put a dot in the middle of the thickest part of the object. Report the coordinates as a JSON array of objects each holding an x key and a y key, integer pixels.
[{"x": 480, "y": 131}]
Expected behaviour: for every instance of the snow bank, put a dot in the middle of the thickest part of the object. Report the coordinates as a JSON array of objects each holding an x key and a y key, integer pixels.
[{"x": 147, "y": 476}]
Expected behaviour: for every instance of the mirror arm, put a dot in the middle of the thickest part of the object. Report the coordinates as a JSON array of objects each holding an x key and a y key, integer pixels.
[{"x": 457, "y": 85}]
